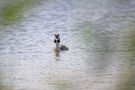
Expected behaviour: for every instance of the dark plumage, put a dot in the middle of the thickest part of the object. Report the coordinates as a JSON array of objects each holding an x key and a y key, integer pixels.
[
  {"x": 57, "y": 38},
  {"x": 63, "y": 47}
]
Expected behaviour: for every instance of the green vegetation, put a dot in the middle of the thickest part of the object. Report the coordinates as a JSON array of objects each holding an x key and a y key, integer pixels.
[{"x": 14, "y": 11}]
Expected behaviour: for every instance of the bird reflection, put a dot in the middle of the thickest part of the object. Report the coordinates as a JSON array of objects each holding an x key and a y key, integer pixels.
[
  {"x": 57, "y": 54},
  {"x": 59, "y": 47}
]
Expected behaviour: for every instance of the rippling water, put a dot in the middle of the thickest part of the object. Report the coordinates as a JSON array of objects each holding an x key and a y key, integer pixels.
[{"x": 96, "y": 32}]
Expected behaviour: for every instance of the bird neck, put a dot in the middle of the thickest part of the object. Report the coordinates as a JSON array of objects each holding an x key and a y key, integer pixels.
[{"x": 57, "y": 45}]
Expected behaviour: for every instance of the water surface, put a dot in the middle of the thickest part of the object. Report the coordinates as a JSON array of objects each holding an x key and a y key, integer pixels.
[{"x": 96, "y": 33}]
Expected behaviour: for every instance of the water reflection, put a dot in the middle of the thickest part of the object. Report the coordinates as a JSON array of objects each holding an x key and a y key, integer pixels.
[
  {"x": 130, "y": 41},
  {"x": 13, "y": 11},
  {"x": 63, "y": 85},
  {"x": 57, "y": 54}
]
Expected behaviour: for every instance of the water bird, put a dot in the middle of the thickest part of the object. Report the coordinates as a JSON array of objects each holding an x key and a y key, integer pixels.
[{"x": 59, "y": 47}]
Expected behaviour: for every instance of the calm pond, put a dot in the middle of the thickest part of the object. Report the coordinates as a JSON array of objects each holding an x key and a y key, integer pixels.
[{"x": 96, "y": 33}]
